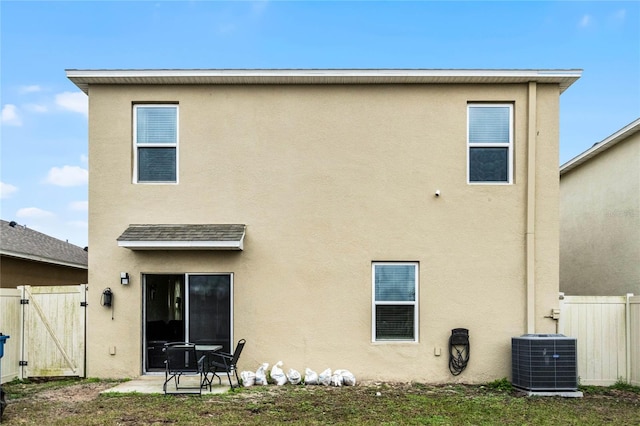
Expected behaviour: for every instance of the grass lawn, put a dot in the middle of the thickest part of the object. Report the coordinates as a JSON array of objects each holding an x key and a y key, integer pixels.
[{"x": 78, "y": 402}]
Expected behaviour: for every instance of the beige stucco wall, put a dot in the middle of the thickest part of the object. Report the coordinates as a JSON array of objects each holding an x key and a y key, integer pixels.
[
  {"x": 600, "y": 223},
  {"x": 327, "y": 180},
  {"x": 15, "y": 272}
]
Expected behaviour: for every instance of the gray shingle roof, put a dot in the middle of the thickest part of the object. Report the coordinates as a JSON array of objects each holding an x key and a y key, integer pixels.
[
  {"x": 22, "y": 242},
  {"x": 183, "y": 236}
]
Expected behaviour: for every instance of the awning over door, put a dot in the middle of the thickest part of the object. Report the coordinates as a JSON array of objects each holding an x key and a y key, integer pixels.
[{"x": 183, "y": 237}]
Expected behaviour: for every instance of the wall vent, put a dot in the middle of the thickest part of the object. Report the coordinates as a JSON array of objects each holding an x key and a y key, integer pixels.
[{"x": 544, "y": 362}]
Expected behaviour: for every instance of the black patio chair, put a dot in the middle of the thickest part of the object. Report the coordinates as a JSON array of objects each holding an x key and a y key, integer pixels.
[
  {"x": 181, "y": 360},
  {"x": 221, "y": 362}
]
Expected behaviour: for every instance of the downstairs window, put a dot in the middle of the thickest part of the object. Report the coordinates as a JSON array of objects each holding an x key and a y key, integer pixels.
[{"x": 395, "y": 307}]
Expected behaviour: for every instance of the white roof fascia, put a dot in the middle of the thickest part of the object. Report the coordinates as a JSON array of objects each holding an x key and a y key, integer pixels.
[
  {"x": 183, "y": 245},
  {"x": 42, "y": 259},
  {"x": 602, "y": 146},
  {"x": 83, "y": 78}
]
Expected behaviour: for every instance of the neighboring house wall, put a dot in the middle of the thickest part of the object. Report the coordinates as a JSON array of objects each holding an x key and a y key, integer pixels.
[
  {"x": 15, "y": 272},
  {"x": 600, "y": 221},
  {"x": 329, "y": 179}
]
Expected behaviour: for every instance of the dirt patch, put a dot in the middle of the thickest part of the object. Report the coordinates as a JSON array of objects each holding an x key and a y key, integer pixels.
[{"x": 75, "y": 393}]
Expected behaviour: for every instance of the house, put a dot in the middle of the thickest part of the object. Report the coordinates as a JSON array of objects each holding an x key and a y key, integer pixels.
[
  {"x": 600, "y": 217},
  {"x": 332, "y": 218},
  {"x": 29, "y": 257}
]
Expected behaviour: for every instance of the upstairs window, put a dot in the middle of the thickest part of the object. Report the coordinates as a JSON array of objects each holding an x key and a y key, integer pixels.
[
  {"x": 490, "y": 143},
  {"x": 155, "y": 135},
  {"x": 395, "y": 306}
]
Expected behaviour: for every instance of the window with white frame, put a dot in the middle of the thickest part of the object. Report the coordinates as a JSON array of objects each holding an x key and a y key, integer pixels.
[
  {"x": 490, "y": 141},
  {"x": 395, "y": 306},
  {"x": 155, "y": 136}
]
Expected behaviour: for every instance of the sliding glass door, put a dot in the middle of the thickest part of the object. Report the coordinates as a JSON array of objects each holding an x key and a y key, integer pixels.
[{"x": 195, "y": 308}]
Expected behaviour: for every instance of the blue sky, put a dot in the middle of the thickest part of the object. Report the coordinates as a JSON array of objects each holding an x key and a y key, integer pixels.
[{"x": 44, "y": 116}]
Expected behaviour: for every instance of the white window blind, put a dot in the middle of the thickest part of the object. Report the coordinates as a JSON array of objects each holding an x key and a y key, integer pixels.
[
  {"x": 395, "y": 283},
  {"x": 156, "y": 125},
  {"x": 489, "y": 124}
]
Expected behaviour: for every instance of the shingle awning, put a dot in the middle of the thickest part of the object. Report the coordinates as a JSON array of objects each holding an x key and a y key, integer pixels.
[{"x": 183, "y": 237}]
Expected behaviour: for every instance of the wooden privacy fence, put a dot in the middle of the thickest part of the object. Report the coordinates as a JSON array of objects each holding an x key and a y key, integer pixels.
[
  {"x": 10, "y": 325},
  {"x": 46, "y": 328},
  {"x": 607, "y": 329}
]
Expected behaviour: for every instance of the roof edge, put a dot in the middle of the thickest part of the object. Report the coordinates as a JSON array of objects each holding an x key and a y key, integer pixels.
[
  {"x": 599, "y": 147},
  {"x": 84, "y": 77},
  {"x": 24, "y": 256},
  {"x": 183, "y": 245}
]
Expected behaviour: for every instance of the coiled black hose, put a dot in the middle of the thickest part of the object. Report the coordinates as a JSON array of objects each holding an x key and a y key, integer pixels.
[{"x": 458, "y": 350}]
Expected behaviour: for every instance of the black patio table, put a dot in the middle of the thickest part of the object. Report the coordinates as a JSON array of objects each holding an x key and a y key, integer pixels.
[{"x": 207, "y": 351}]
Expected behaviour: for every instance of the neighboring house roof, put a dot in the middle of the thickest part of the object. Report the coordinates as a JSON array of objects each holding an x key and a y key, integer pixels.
[
  {"x": 24, "y": 243},
  {"x": 83, "y": 78},
  {"x": 597, "y": 148},
  {"x": 183, "y": 236}
]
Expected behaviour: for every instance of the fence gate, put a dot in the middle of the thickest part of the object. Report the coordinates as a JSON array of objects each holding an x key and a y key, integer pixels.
[
  {"x": 11, "y": 325},
  {"x": 607, "y": 329},
  {"x": 50, "y": 336}
]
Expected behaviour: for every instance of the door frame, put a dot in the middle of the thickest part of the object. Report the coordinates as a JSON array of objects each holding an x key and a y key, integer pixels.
[{"x": 186, "y": 308}]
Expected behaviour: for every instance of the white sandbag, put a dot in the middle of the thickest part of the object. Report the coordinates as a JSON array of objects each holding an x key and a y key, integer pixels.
[
  {"x": 294, "y": 376},
  {"x": 336, "y": 379},
  {"x": 261, "y": 374},
  {"x": 248, "y": 378},
  {"x": 277, "y": 375},
  {"x": 324, "y": 378},
  {"x": 310, "y": 377},
  {"x": 348, "y": 379}
]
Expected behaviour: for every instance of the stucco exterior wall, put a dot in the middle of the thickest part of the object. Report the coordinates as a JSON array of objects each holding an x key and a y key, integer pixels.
[
  {"x": 600, "y": 223},
  {"x": 329, "y": 179},
  {"x": 15, "y": 272}
]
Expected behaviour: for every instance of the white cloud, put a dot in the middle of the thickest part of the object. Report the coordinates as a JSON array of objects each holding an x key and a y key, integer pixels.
[
  {"x": 6, "y": 190},
  {"x": 585, "y": 21},
  {"x": 36, "y": 108},
  {"x": 30, "y": 89},
  {"x": 67, "y": 176},
  {"x": 73, "y": 101},
  {"x": 79, "y": 206},
  {"x": 10, "y": 115},
  {"x": 33, "y": 213}
]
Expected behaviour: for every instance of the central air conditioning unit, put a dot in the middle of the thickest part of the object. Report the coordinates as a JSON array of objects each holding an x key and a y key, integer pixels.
[{"x": 544, "y": 362}]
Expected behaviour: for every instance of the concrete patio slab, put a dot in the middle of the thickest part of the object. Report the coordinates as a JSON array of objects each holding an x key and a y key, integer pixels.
[{"x": 153, "y": 384}]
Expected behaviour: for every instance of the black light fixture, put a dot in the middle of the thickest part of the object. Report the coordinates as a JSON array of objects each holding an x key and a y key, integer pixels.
[
  {"x": 107, "y": 297},
  {"x": 124, "y": 278}
]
